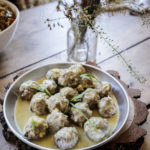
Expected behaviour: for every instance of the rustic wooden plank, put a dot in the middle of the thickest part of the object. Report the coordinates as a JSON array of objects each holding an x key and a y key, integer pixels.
[
  {"x": 141, "y": 53},
  {"x": 34, "y": 40},
  {"x": 4, "y": 81}
]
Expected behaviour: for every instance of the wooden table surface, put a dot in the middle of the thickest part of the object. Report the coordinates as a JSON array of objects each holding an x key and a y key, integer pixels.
[{"x": 35, "y": 45}]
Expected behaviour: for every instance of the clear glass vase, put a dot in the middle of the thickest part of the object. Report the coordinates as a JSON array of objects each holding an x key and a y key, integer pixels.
[{"x": 81, "y": 44}]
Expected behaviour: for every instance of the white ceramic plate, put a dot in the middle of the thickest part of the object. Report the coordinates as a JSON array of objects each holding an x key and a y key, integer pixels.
[{"x": 38, "y": 73}]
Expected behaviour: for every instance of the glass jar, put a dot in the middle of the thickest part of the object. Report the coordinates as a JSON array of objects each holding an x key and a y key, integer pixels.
[{"x": 81, "y": 44}]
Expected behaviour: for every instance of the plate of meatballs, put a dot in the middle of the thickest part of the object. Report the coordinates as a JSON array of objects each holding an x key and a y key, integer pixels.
[{"x": 66, "y": 106}]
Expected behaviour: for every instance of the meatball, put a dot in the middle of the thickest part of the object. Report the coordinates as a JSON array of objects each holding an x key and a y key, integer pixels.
[
  {"x": 68, "y": 78},
  {"x": 53, "y": 74},
  {"x": 97, "y": 130},
  {"x": 85, "y": 83},
  {"x": 50, "y": 85},
  {"x": 25, "y": 90},
  {"x": 56, "y": 120},
  {"x": 66, "y": 138},
  {"x": 38, "y": 103},
  {"x": 105, "y": 89},
  {"x": 107, "y": 107},
  {"x": 35, "y": 128},
  {"x": 68, "y": 92},
  {"x": 77, "y": 69},
  {"x": 77, "y": 114},
  {"x": 58, "y": 101},
  {"x": 91, "y": 97}
]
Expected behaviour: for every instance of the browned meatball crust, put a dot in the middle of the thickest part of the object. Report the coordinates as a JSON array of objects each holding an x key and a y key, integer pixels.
[
  {"x": 91, "y": 97},
  {"x": 58, "y": 101},
  {"x": 56, "y": 120},
  {"x": 38, "y": 104},
  {"x": 35, "y": 128},
  {"x": 25, "y": 90},
  {"x": 68, "y": 78},
  {"x": 77, "y": 114}
]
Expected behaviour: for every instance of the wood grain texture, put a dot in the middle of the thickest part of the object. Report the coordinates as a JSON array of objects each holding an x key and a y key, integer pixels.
[{"x": 33, "y": 40}]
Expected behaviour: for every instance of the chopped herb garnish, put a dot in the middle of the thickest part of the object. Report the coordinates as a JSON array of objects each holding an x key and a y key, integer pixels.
[
  {"x": 79, "y": 97},
  {"x": 47, "y": 92},
  {"x": 33, "y": 125},
  {"x": 89, "y": 76},
  {"x": 38, "y": 88},
  {"x": 80, "y": 110}
]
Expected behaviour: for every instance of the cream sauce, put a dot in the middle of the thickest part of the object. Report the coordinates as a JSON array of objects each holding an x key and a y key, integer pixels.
[{"x": 22, "y": 114}]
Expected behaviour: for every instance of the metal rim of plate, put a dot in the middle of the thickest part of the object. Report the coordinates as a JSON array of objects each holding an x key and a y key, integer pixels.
[{"x": 7, "y": 114}]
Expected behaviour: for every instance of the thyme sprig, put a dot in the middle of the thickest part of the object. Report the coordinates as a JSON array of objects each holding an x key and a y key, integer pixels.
[{"x": 80, "y": 111}]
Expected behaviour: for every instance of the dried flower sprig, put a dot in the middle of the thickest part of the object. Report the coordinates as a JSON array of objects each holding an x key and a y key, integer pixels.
[
  {"x": 115, "y": 49},
  {"x": 140, "y": 10},
  {"x": 85, "y": 13},
  {"x": 146, "y": 20},
  {"x": 132, "y": 70},
  {"x": 52, "y": 23}
]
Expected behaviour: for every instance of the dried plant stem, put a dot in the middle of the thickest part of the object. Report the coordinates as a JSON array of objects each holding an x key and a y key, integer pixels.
[
  {"x": 83, "y": 15},
  {"x": 107, "y": 40}
]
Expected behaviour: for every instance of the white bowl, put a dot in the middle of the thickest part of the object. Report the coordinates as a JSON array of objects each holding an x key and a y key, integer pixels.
[
  {"x": 7, "y": 35},
  {"x": 40, "y": 72}
]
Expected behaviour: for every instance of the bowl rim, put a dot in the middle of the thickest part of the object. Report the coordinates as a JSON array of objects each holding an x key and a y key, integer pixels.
[
  {"x": 12, "y": 6},
  {"x": 45, "y": 148}
]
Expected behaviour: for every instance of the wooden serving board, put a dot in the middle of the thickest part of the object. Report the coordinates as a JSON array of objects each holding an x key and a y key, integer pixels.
[{"x": 131, "y": 137}]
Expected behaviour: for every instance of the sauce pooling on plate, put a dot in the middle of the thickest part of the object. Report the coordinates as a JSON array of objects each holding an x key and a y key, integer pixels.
[{"x": 73, "y": 120}]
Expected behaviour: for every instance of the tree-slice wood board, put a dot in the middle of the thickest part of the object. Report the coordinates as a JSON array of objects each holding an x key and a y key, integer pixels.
[{"x": 131, "y": 137}]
